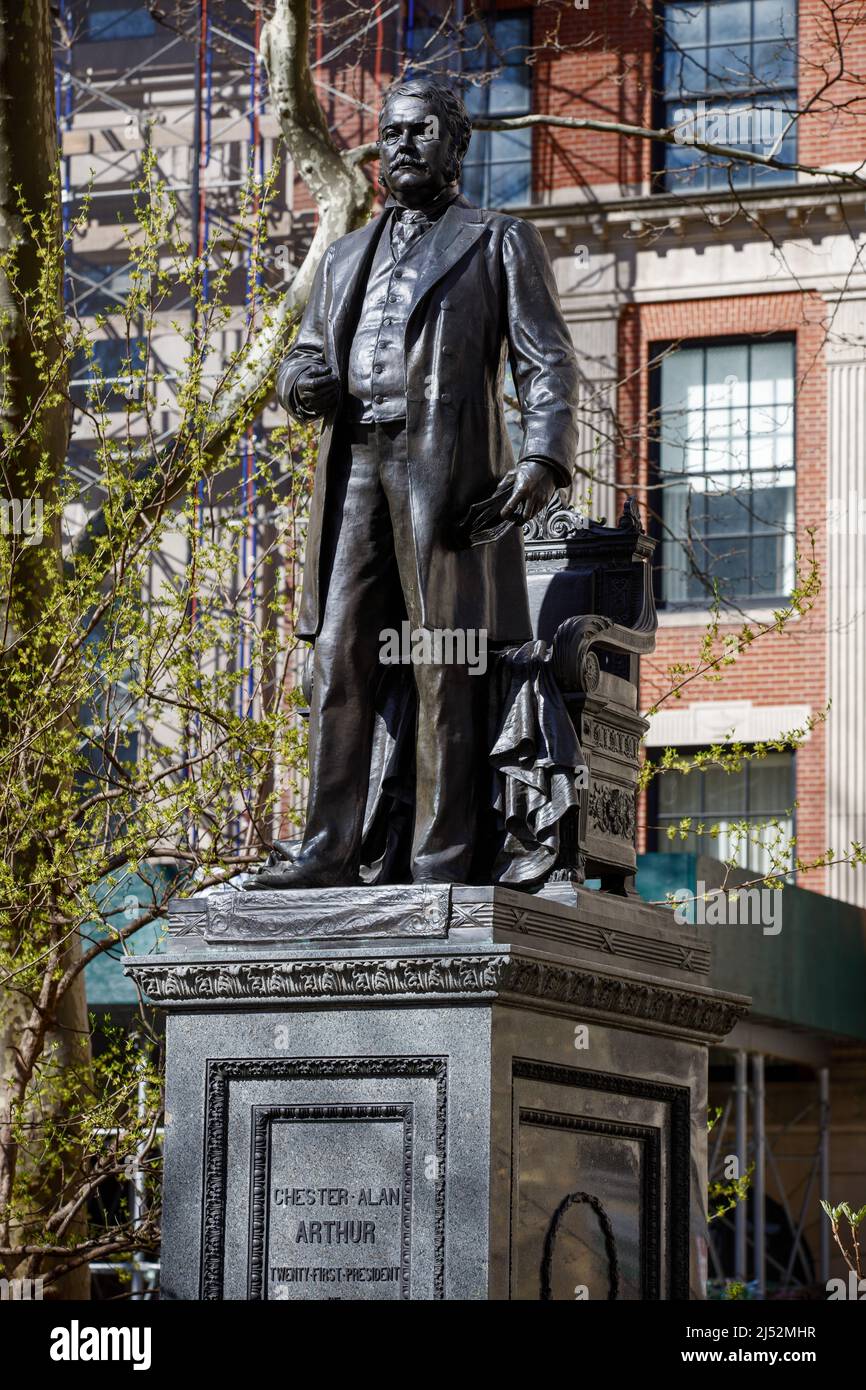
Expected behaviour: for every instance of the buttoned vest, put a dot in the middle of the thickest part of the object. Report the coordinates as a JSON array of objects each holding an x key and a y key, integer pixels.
[{"x": 377, "y": 358}]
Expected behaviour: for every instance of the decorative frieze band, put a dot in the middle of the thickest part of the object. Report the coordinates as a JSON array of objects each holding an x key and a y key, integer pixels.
[
  {"x": 502, "y": 975},
  {"x": 534, "y": 918}
]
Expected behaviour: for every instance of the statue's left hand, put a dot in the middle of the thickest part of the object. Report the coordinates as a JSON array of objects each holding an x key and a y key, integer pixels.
[{"x": 533, "y": 488}]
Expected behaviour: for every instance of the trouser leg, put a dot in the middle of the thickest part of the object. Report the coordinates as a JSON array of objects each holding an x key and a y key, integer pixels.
[
  {"x": 363, "y": 598},
  {"x": 450, "y": 748},
  {"x": 449, "y": 757}
]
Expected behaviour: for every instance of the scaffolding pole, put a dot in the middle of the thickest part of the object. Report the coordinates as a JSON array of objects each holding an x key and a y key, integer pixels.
[
  {"x": 741, "y": 1101},
  {"x": 824, "y": 1166},
  {"x": 759, "y": 1213}
]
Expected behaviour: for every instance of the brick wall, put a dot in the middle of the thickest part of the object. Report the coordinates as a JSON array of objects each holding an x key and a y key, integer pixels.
[
  {"x": 786, "y": 668},
  {"x": 832, "y": 92},
  {"x": 599, "y": 63},
  {"x": 596, "y": 63}
]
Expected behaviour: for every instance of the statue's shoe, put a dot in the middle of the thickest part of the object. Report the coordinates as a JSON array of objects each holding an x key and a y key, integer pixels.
[{"x": 296, "y": 874}]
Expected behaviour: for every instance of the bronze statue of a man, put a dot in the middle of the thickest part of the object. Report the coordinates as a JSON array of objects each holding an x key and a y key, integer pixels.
[{"x": 402, "y": 351}]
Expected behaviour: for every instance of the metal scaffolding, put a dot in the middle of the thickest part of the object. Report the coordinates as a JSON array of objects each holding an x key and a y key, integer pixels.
[{"x": 740, "y": 1248}]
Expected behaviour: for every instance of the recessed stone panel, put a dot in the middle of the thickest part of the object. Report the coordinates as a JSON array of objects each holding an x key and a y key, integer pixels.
[{"x": 331, "y": 1206}]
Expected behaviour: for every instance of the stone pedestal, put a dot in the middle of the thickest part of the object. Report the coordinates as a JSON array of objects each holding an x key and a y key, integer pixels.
[{"x": 434, "y": 1093}]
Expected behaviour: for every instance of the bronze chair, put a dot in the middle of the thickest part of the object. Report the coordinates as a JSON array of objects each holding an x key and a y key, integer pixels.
[{"x": 591, "y": 599}]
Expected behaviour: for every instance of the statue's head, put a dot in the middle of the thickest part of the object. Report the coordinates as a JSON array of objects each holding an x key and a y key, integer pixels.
[{"x": 424, "y": 133}]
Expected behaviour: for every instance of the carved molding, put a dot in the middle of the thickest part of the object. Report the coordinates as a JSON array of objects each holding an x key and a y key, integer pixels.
[
  {"x": 188, "y": 923},
  {"x": 634, "y": 999},
  {"x": 678, "y": 1181},
  {"x": 607, "y": 738},
  {"x": 384, "y": 911},
  {"x": 404, "y": 910},
  {"x": 556, "y": 522},
  {"x": 280, "y": 981},
  {"x": 559, "y": 522},
  {"x": 223, "y": 1073},
  {"x": 590, "y": 672},
  {"x": 612, "y": 812},
  {"x": 630, "y": 516},
  {"x": 487, "y": 976},
  {"x": 532, "y": 920}
]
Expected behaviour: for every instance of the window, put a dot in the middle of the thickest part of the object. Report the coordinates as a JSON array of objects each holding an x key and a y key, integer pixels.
[
  {"x": 725, "y": 453},
  {"x": 497, "y": 171},
  {"x": 729, "y": 77},
  {"x": 108, "y": 23},
  {"x": 488, "y": 61},
  {"x": 761, "y": 792}
]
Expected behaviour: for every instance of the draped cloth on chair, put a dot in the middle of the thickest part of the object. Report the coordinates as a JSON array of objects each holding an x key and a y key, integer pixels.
[
  {"x": 533, "y": 773},
  {"x": 535, "y": 756}
]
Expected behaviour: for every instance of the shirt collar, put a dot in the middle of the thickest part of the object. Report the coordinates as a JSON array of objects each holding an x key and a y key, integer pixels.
[{"x": 430, "y": 211}]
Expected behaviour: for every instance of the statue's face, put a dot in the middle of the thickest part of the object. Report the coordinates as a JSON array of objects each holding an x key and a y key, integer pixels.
[{"x": 414, "y": 150}]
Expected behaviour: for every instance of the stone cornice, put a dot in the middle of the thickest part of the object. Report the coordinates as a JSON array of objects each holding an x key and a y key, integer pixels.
[
  {"x": 791, "y": 204},
  {"x": 472, "y": 977}
]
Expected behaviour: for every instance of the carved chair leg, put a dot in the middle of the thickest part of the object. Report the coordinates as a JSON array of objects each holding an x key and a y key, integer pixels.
[{"x": 620, "y": 883}]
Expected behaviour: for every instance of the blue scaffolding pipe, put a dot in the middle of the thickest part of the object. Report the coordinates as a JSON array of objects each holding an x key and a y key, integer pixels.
[
  {"x": 410, "y": 36},
  {"x": 64, "y": 109}
]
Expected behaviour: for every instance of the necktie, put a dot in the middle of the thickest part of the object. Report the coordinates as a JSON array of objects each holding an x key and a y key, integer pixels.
[{"x": 406, "y": 228}]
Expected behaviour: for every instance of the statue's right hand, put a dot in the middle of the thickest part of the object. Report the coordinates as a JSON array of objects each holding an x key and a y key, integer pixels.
[{"x": 317, "y": 388}]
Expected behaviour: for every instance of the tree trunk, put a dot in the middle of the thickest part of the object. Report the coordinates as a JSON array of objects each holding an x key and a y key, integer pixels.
[{"x": 28, "y": 166}]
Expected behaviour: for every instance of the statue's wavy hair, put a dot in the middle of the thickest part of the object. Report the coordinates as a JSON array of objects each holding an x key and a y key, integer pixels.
[{"x": 449, "y": 107}]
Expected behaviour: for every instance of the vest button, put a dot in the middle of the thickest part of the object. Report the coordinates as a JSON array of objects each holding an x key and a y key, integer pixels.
[
  {"x": 379, "y": 399},
  {"x": 445, "y": 396},
  {"x": 398, "y": 275},
  {"x": 378, "y": 369},
  {"x": 387, "y": 322}
]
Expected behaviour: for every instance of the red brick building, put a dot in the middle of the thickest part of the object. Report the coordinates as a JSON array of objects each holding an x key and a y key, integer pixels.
[{"x": 718, "y": 313}]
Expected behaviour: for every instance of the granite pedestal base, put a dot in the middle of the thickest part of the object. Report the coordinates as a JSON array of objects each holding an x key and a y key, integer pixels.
[{"x": 434, "y": 1093}]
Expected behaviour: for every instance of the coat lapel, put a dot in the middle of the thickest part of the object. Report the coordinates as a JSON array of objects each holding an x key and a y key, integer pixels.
[
  {"x": 458, "y": 228},
  {"x": 351, "y": 266}
]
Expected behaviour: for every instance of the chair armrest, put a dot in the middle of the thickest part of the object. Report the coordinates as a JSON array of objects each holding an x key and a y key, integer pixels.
[{"x": 575, "y": 663}]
